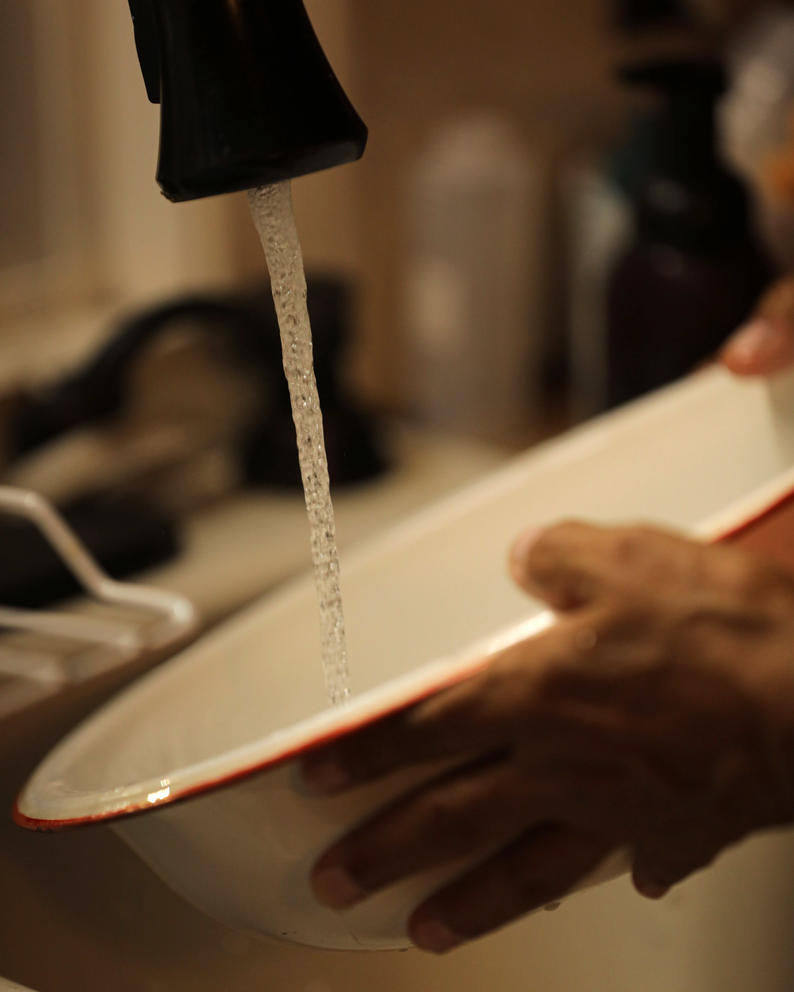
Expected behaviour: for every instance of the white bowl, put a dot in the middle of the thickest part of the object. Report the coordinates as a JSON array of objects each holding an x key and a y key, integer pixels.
[{"x": 219, "y": 726}]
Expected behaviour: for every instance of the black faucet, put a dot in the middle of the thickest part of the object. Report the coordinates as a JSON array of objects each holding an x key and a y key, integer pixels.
[{"x": 247, "y": 95}]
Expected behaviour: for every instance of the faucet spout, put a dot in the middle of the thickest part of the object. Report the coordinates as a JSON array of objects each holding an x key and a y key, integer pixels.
[{"x": 247, "y": 95}]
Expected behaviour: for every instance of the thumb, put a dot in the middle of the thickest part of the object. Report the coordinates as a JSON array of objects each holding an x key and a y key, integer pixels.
[{"x": 560, "y": 565}]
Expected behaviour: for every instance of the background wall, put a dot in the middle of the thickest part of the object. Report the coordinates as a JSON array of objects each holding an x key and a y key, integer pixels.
[
  {"x": 421, "y": 63},
  {"x": 84, "y": 143},
  {"x": 410, "y": 67}
]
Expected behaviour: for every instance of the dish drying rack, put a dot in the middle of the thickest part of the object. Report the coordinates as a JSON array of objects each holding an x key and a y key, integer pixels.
[{"x": 43, "y": 651}]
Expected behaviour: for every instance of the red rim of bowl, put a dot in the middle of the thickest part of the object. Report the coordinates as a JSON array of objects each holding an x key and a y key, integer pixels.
[{"x": 223, "y": 781}]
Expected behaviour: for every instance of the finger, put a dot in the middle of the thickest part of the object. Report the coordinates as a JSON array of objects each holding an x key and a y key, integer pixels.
[
  {"x": 659, "y": 864},
  {"x": 574, "y": 564},
  {"x": 462, "y": 813},
  {"x": 476, "y": 716},
  {"x": 763, "y": 346},
  {"x": 559, "y": 564},
  {"x": 537, "y": 869},
  {"x": 777, "y": 302}
]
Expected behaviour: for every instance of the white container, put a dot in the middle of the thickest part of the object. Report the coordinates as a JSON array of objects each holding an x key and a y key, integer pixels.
[{"x": 474, "y": 216}]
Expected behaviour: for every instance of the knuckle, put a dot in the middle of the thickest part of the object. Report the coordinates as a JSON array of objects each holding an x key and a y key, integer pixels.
[
  {"x": 501, "y": 683},
  {"x": 557, "y": 676},
  {"x": 445, "y": 829},
  {"x": 366, "y": 755},
  {"x": 634, "y": 545},
  {"x": 747, "y": 578},
  {"x": 530, "y": 873},
  {"x": 448, "y": 830},
  {"x": 353, "y": 759},
  {"x": 521, "y": 678},
  {"x": 499, "y": 675},
  {"x": 442, "y": 813},
  {"x": 752, "y": 582},
  {"x": 368, "y": 870}
]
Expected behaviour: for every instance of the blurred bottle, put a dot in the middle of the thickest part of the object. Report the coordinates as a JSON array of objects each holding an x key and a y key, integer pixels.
[
  {"x": 756, "y": 119},
  {"x": 638, "y": 15},
  {"x": 694, "y": 268},
  {"x": 473, "y": 257},
  {"x": 598, "y": 227}
]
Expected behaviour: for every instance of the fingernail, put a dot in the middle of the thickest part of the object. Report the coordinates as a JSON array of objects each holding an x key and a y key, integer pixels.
[
  {"x": 323, "y": 776},
  {"x": 434, "y": 936},
  {"x": 651, "y": 890},
  {"x": 757, "y": 341},
  {"x": 334, "y": 888},
  {"x": 522, "y": 546}
]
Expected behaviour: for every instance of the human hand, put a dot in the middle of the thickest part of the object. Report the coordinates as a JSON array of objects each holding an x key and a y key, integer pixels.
[
  {"x": 765, "y": 344},
  {"x": 656, "y": 715}
]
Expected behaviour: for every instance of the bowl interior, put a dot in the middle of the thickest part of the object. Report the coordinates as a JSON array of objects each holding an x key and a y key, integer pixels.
[{"x": 434, "y": 587}]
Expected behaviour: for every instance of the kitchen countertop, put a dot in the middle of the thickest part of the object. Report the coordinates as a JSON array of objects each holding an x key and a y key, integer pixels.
[{"x": 236, "y": 548}]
